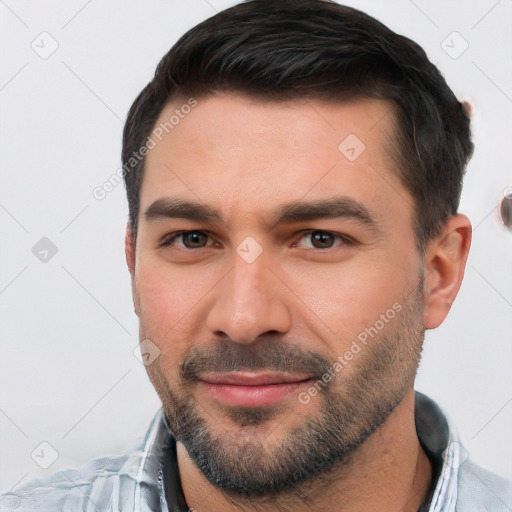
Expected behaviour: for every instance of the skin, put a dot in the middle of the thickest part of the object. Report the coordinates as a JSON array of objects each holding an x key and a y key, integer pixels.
[{"x": 245, "y": 158}]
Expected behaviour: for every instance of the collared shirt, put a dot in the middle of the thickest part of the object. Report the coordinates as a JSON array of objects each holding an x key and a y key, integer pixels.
[{"x": 146, "y": 478}]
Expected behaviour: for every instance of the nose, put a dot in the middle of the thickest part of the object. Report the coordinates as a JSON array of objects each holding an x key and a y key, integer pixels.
[{"x": 249, "y": 302}]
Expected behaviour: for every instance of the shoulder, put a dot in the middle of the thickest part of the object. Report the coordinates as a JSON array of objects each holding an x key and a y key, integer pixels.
[
  {"x": 67, "y": 489},
  {"x": 479, "y": 489},
  {"x": 128, "y": 481},
  {"x": 90, "y": 488}
]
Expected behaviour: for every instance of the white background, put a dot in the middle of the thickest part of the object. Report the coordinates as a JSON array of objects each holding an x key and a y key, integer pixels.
[{"x": 67, "y": 372}]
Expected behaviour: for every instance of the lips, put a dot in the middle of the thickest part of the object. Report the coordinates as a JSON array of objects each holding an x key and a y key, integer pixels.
[
  {"x": 253, "y": 379},
  {"x": 250, "y": 389}
]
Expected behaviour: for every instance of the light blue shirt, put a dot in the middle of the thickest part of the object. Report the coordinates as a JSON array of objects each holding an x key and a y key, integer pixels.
[{"x": 134, "y": 481}]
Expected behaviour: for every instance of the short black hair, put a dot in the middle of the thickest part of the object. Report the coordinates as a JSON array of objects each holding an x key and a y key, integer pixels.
[{"x": 286, "y": 49}]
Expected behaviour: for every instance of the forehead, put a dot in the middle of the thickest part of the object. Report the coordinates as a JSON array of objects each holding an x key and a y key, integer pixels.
[{"x": 243, "y": 156}]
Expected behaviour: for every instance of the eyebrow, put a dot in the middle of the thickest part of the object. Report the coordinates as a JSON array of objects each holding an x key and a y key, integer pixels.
[
  {"x": 295, "y": 211},
  {"x": 331, "y": 208},
  {"x": 173, "y": 207}
]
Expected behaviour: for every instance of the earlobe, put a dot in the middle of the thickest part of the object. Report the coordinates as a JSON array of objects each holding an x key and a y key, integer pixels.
[{"x": 444, "y": 265}]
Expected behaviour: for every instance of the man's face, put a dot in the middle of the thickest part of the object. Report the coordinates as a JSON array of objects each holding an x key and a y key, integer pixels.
[{"x": 289, "y": 320}]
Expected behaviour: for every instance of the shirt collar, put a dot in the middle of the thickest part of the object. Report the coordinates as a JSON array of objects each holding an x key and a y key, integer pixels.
[{"x": 440, "y": 439}]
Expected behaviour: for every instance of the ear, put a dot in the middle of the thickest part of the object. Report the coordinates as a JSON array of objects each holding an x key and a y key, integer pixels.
[
  {"x": 129, "y": 250},
  {"x": 444, "y": 264}
]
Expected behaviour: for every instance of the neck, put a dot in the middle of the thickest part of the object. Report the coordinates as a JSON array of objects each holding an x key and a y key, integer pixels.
[{"x": 390, "y": 472}]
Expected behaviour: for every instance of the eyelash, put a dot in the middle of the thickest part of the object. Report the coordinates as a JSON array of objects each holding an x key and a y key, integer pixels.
[
  {"x": 172, "y": 237},
  {"x": 169, "y": 239}
]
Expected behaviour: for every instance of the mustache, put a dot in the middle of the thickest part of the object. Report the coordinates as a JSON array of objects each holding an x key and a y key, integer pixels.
[{"x": 229, "y": 356}]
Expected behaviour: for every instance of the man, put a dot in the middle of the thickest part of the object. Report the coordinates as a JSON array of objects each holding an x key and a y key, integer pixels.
[{"x": 293, "y": 174}]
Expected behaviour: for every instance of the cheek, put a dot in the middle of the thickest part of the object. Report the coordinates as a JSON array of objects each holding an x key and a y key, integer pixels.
[
  {"x": 169, "y": 304},
  {"x": 341, "y": 301}
]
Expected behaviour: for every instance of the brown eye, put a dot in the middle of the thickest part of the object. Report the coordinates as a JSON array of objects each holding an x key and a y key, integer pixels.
[
  {"x": 194, "y": 239},
  {"x": 322, "y": 239},
  {"x": 187, "y": 240},
  {"x": 319, "y": 239}
]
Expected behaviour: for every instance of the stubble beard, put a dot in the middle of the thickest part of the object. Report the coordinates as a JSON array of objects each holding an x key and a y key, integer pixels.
[{"x": 350, "y": 408}]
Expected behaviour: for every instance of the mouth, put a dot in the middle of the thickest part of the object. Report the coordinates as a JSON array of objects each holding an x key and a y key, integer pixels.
[{"x": 252, "y": 389}]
